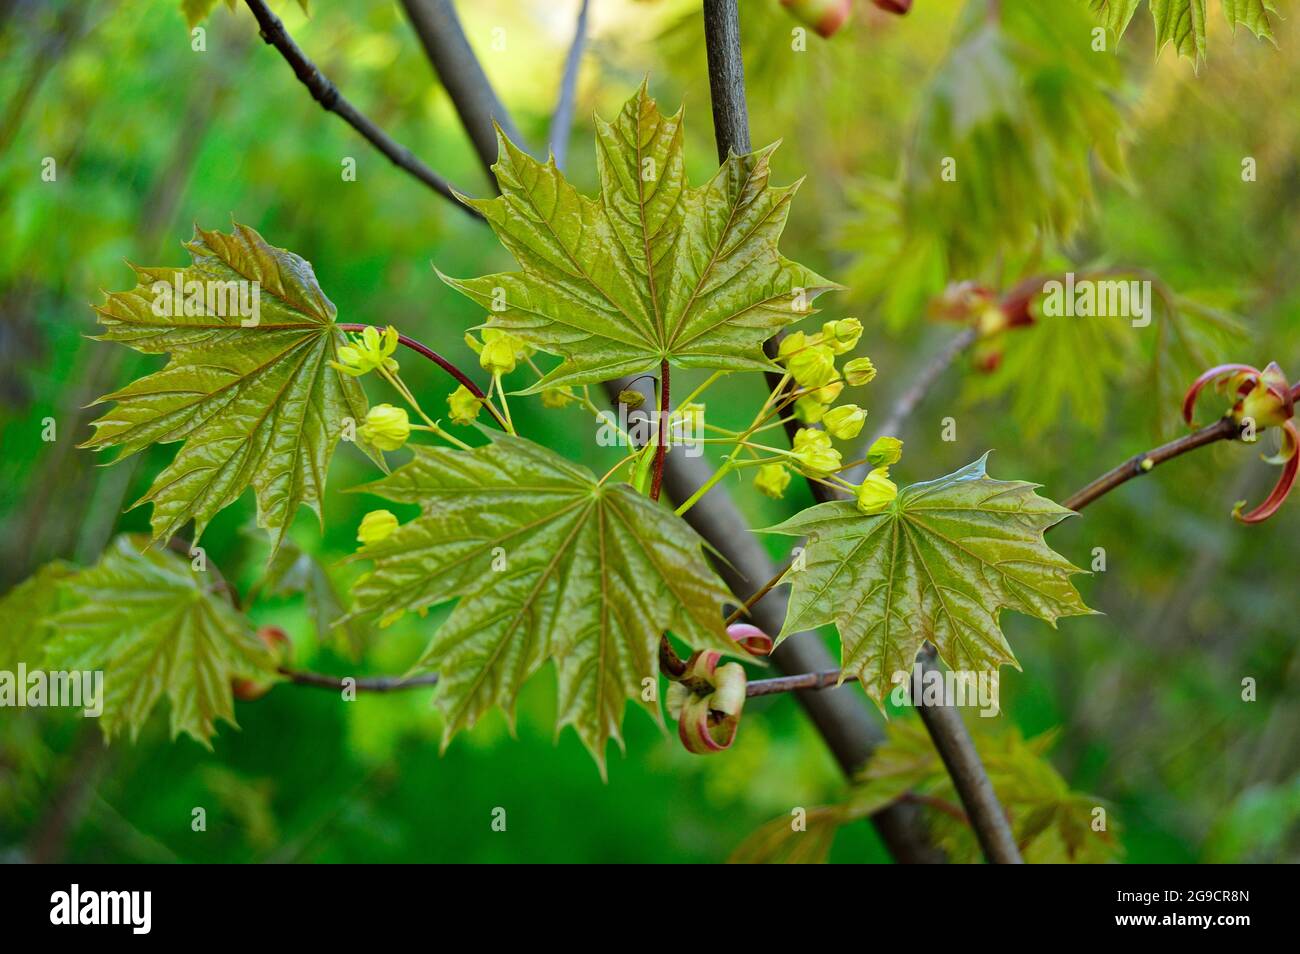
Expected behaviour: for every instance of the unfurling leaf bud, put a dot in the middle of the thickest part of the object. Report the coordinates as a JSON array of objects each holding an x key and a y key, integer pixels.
[
  {"x": 279, "y": 646},
  {"x": 824, "y": 16},
  {"x": 772, "y": 480},
  {"x": 814, "y": 453},
  {"x": 885, "y": 452},
  {"x": 463, "y": 406},
  {"x": 894, "y": 6},
  {"x": 386, "y": 427},
  {"x": 877, "y": 491},
  {"x": 859, "y": 371},
  {"x": 375, "y": 526},
  {"x": 706, "y": 702},
  {"x": 751, "y": 638},
  {"x": 842, "y": 335},
  {"x": 844, "y": 422},
  {"x": 631, "y": 398},
  {"x": 813, "y": 366}
]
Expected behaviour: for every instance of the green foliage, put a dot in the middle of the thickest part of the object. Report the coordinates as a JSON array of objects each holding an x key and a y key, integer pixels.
[
  {"x": 25, "y": 613},
  {"x": 651, "y": 269},
  {"x": 1000, "y": 159},
  {"x": 155, "y": 627},
  {"x": 1069, "y": 368},
  {"x": 939, "y": 565},
  {"x": 292, "y": 570},
  {"x": 1051, "y": 823},
  {"x": 1183, "y": 23},
  {"x": 548, "y": 564},
  {"x": 255, "y": 405}
]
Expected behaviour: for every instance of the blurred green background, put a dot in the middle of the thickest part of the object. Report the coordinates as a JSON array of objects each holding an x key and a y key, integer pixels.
[{"x": 149, "y": 136}]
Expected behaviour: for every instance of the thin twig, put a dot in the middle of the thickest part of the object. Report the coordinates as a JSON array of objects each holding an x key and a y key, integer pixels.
[
  {"x": 988, "y": 819},
  {"x": 360, "y": 684},
  {"x": 1221, "y": 430},
  {"x": 562, "y": 118},
  {"x": 328, "y": 95}
]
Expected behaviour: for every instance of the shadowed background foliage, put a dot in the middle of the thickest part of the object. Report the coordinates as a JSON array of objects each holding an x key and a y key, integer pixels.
[{"x": 1075, "y": 159}]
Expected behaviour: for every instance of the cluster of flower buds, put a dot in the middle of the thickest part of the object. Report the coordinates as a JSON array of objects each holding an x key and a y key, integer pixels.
[
  {"x": 827, "y": 16},
  {"x": 370, "y": 350},
  {"x": 706, "y": 699},
  {"x": 810, "y": 361},
  {"x": 976, "y": 305},
  {"x": 1262, "y": 399}
]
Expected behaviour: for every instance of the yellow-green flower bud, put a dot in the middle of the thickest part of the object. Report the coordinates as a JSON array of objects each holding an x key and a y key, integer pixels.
[
  {"x": 791, "y": 343},
  {"x": 386, "y": 427},
  {"x": 463, "y": 406},
  {"x": 772, "y": 480},
  {"x": 808, "y": 409},
  {"x": 813, "y": 451},
  {"x": 631, "y": 398},
  {"x": 842, "y": 335},
  {"x": 844, "y": 422},
  {"x": 859, "y": 371},
  {"x": 812, "y": 367},
  {"x": 885, "y": 452},
  {"x": 827, "y": 393},
  {"x": 554, "y": 398},
  {"x": 498, "y": 356},
  {"x": 376, "y": 526},
  {"x": 877, "y": 491}
]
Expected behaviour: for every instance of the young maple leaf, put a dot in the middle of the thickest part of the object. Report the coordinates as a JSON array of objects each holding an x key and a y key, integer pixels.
[
  {"x": 255, "y": 402},
  {"x": 940, "y": 564},
  {"x": 545, "y": 563},
  {"x": 651, "y": 269}
]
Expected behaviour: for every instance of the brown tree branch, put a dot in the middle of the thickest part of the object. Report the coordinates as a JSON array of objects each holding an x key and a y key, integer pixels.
[
  {"x": 328, "y": 95},
  {"x": 361, "y": 683},
  {"x": 448, "y": 51},
  {"x": 731, "y": 130},
  {"x": 562, "y": 119}
]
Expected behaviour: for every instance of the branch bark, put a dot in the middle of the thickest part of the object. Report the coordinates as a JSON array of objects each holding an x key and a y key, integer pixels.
[
  {"x": 328, "y": 95},
  {"x": 461, "y": 74},
  {"x": 562, "y": 119},
  {"x": 731, "y": 130}
]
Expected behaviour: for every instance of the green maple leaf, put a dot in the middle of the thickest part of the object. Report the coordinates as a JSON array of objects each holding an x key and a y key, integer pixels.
[
  {"x": 1051, "y": 823},
  {"x": 649, "y": 270},
  {"x": 1182, "y": 23},
  {"x": 196, "y": 11},
  {"x": 155, "y": 628},
  {"x": 1253, "y": 14},
  {"x": 939, "y": 565},
  {"x": 255, "y": 405},
  {"x": 1115, "y": 14},
  {"x": 25, "y": 612},
  {"x": 546, "y": 563}
]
